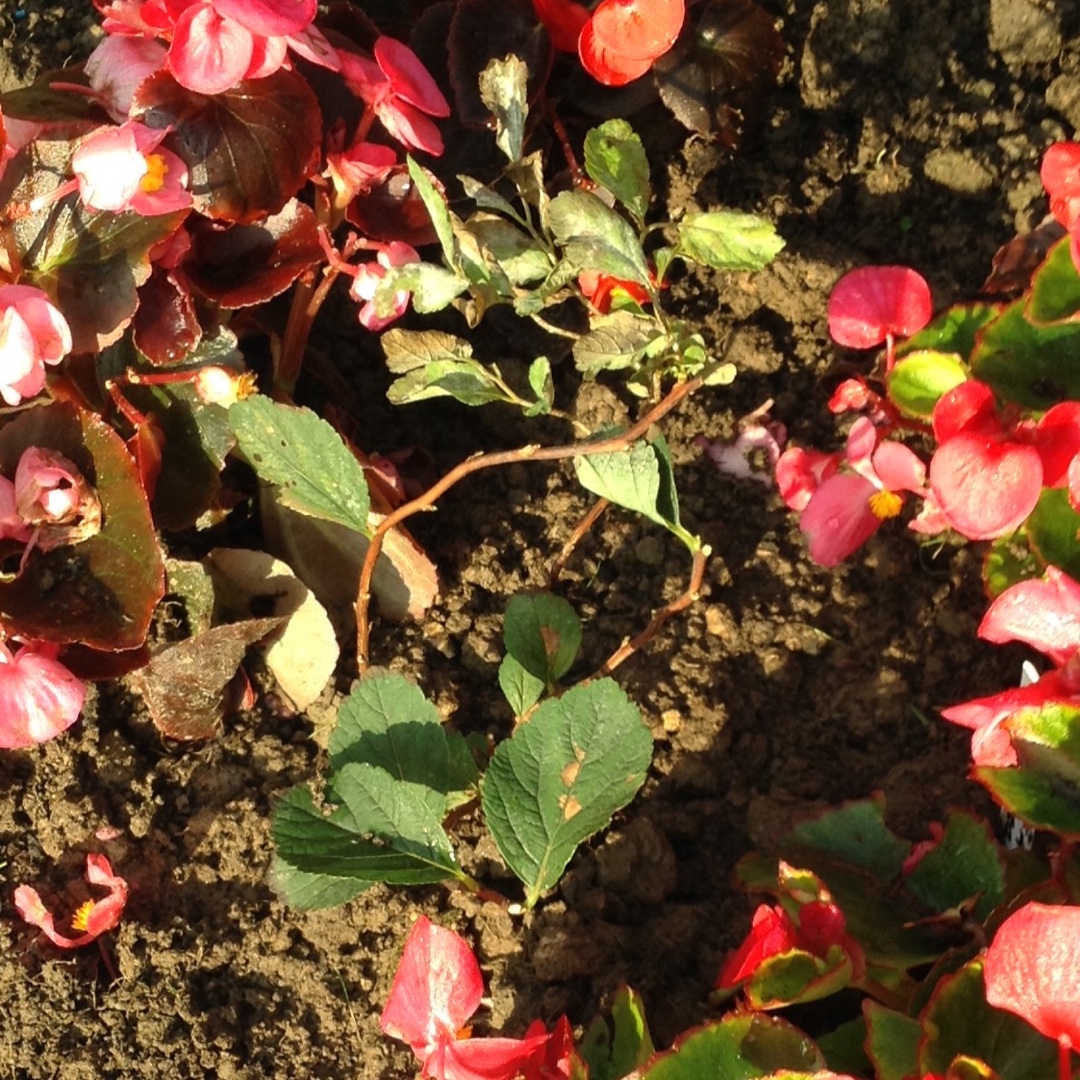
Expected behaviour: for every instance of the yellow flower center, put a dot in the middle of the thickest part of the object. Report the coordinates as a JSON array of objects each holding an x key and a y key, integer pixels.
[
  {"x": 81, "y": 919},
  {"x": 886, "y": 504},
  {"x": 154, "y": 180}
]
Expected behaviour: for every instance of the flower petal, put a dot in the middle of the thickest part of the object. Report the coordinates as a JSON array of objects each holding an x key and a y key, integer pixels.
[
  {"x": 1043, "y": 613},
  {"x": 871, "y": 302},
  {"x": 838, "y": 520}
]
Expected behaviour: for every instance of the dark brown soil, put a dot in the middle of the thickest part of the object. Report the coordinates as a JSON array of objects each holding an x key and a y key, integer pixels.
[{"x": 902, "y": 132}]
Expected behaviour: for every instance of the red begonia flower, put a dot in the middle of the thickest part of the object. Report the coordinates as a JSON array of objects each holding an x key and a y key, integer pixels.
[
  {"x": 600, "y": 289},
  {"x": 875, "y": 303},
  {"x": 1032, "y": 969},
  {"x": 623, "y": 38},
  {"x": 436, "y": 988},
  {"x": 269, "y": 18},
  {"x": 94, "y": 918},
  {"x": 563, "y": 20},
  {"x": 1060, "y": 174},
  {"x": 401, "y": 91},
  {"x": 1041, "y": 612},
  {"x": 771, "y": 932},
  {"x": 985, "y": 480}
]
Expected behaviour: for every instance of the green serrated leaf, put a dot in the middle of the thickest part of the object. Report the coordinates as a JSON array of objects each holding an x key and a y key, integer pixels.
[
  {"x": 387, "y": 722},
  {"x": 435, "y": 205},
  {"x": 543, "y": 633},
  {"x": 542, "y": 386},
  {"x": 614, "y": 341},
  {"x": 323, "y": 860},
  {"x": 615, "y": 159},
  {"x": 522, "y": 259},
  {"x": 855, "y": 833},
  {"x": 485, "y": 197},
  {"x": 399, "y": 814},
  {"x": 595, "y": 237},
  {"x": 728, "y": 240},
  {"x": 311, "y": 468},
  {"x": 560, "y": 777},
  {"x": 468, "y": 381},
  {"x": 409, "y": 349},
  {"x": 640, "y": 479},
  {"x": 503, "y": 91},
  {"x": 432, "y": 288},
  {"x": 520, "y": 689}
]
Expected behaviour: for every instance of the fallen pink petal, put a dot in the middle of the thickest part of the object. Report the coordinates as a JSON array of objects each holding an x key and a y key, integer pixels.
[{"x": 39, "y": 696}]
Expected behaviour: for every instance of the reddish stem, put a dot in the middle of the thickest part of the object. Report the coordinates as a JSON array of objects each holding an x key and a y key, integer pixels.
[{"x": 426, "y": 501}]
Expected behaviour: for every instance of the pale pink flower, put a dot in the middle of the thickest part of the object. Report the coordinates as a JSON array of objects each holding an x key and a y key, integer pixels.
[
  {"x": 93, "y": 918},
  {"x": 47, "y": 487},
  {"x": 39, "y": 697},
  {"x": 401, "y": 91},
  {"x": 367, "y": 278},
  {"x": 32, "y": 334},
  {"x": 127, "y": 168},
  {"x": 118, "y": 66}
]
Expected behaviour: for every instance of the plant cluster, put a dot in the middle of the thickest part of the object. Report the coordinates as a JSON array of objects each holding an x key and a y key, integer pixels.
[{"x": 176, "y": 212}]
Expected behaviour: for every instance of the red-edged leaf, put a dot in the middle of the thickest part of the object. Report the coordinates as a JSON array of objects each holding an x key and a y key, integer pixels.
[
  {"x": 244, "y": 265},
  {"x": 184, "y": 685},
  {"x": 166, "y": 328},
  {"x": 872, "y": 302},
  {"x": 394, "y": 210},
  {"x": 436, "y": 988},
  {"x": 986, "y": 488},
  {"x": 248, "y": 150},
  {"x": 101, "y": 591},
  {"x": 1033, "y": 969}
]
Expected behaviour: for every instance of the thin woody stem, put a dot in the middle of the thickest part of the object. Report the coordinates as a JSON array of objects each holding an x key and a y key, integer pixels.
[
  {"x": 583, "y": 526},
  {"x": 426, "y": 501},
  {"x": 680, "y": 603}
]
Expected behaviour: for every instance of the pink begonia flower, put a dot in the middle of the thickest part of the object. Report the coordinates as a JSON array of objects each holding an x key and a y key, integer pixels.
[
  {"x": 216, "y": 44},
  {"x": 366, "y": 281},
  {"x": 39, "y": 697},
  {"x": 987, "y": 473},
  {"x": 1032, "y": 969},
  {"x": 358, "y": 170},
  {"x": 127, "y": 168},
  {"x": 400, "y": 91},
  {"x": 1045, "y": 614},
  {"x": 1060, "y": 174},
  {"x": 93, "y": 919},
  {"x": 32, "y": 334},
  {"x": 757, "y": 434},
  {"x": 436, "y": 989},
  {"x": 118, "y": 66},
  {"x": 876, "y": 304},
  {"x": 845, "y": 509}
]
